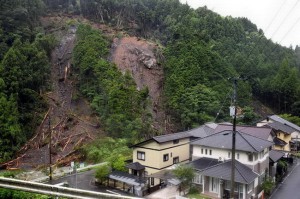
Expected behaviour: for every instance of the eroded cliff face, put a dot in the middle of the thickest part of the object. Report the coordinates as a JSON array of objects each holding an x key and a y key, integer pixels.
[{"x": 140, "y": 58}]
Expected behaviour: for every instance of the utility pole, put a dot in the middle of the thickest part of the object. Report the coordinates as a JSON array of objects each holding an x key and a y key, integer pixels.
[
  {"x": 50, "y": 143},
  {"x": 233, "y": 139}
]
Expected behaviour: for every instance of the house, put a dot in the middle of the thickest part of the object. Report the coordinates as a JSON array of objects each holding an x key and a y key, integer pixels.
[
  {"x": 275, "y": 156},
  {"x": 252, "y": 159},
  {"x": 264, "y": 132},
  {"x": 286, "y": 133},
  {"x": 161, "y": 152}
]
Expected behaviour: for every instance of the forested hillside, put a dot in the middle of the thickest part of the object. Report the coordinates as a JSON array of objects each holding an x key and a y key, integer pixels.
[
  {"x": 24, "y": 69},
  {"x": 201, "y": 51}
]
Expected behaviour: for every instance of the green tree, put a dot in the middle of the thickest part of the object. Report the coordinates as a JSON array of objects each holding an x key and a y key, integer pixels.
[
  {"x": 102, "y": 173},
  {"x": 185, "y": 175}
]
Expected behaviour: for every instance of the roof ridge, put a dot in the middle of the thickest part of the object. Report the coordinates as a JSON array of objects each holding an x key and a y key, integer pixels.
[
  {"x": 213, "y": 134},
  {"x": 216, "y": 165},
  {"x": 239, "y": 170},
  {"x": 254, "y": 136},
  {"x": 247, "y": 140}
]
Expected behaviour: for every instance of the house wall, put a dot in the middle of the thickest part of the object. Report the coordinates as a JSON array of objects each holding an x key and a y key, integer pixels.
[
  {"x": 257, "y": 165},
  {"x": 154, "y": 153},
  {"x": 287, "y": 138}
]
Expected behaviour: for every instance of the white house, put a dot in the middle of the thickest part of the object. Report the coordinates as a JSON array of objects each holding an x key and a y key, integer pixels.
[{"x": 252, "y": 163}]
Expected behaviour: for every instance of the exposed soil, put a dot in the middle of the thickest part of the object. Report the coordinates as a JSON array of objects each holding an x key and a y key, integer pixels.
[
  {"x": 69, "y": 120},
  {"x": 137, "y": 56}
]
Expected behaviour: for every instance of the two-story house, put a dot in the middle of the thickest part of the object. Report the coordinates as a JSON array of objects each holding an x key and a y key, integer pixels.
[
  {"x": 252, "y": 163},
  {"x": 161, "y": 152},
  {"x": 287, "y": 134}
]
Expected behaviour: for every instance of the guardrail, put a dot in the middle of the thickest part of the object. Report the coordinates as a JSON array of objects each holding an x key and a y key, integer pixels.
[{"x": 55, "y": 190}]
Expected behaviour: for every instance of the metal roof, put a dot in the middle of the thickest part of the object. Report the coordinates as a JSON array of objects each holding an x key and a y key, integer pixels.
[
  {"x": 283, "y": 121},
  {"x": 275, "y": 155},
  {"x": 278, "y": 141},
  {"x": 243, "y": 174},
  {"x": 244, "y": 142},
  {"x": 282, "y": 127},
  {"x": 261, "y": 132},
  {"x": 199, "y": 132},
  {"x": 135, "y": 166},
  {"x": 127, "y": 178},
  {"x": 203, "y": 163}
]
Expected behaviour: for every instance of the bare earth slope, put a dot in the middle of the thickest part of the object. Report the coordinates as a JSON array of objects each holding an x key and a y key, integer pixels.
[
  {"x": 70, "y": 121},
  {"x": 137, "y": 56}
]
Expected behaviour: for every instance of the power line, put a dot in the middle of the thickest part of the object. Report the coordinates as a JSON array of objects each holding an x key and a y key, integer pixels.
[
  {"x": 293, "y": 26},
  {"x": 286, "y": 16},
  {"x": 275, "y": 16}
]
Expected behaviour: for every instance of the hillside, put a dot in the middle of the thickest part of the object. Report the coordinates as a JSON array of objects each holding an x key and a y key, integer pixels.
[{"x": 129, "y": 70}]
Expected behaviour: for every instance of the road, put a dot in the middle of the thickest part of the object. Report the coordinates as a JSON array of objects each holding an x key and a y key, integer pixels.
[
  {"x": 290, "y": 186},
  {"x": 85, "y": 180}
]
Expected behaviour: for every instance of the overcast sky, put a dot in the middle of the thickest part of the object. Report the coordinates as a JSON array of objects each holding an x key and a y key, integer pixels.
[{"x": 279, "y": 19}]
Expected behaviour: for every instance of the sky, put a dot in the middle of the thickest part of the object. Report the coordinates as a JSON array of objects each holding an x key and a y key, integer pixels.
[{"x": 279, "y": 19}]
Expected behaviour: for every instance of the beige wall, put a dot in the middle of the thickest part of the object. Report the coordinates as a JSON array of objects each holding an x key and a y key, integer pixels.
[
  {"x": 154, "y": 153},
  {"x": 287, "y": 138}
]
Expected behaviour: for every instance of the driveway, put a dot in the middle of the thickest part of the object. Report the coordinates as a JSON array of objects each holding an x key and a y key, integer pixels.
[
  {"x": 290, "y": 185},
  {"x": 85, "y": 180},
  {"x": 165, "y": 193}
]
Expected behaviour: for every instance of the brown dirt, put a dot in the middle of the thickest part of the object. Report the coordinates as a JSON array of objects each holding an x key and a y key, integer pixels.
[
  {"x": 71, "y": 121},
  {"x": 131, "y": 54}
]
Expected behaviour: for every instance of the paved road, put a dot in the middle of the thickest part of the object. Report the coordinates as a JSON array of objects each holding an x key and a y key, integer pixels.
[
  {"x": 85, "y": 180},
  {"x": 290, "y": 187}
]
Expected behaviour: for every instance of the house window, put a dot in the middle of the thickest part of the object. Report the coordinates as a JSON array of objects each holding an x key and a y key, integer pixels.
[
  {"x": 250, "y": 187},
  {"x": 229, "y": 155},
  {"x": 210, "y": 152},
  {"x": 202, "y": 151},
  {"x": 166, "y": 157},
  {"x": 255, "y": 156},
  {"x": 175, "y": 160},
  {"x": 152, "y": 181},
  {"x": 205, "y": 151},
  {"x": 237, "y": 156},
  {"x": 140, "y": 155},
  {"x": 175, "y": 141},
  {"x": 198, "y": 179},
  {"x": 250, "y": 157}
]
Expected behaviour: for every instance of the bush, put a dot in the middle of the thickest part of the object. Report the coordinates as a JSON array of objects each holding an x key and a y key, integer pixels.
[
  {"x": 267, "y": 186},
  {"x": 102, "y": 173}
]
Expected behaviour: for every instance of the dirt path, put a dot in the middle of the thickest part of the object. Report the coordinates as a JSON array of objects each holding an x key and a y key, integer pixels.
[{"x": 70, "y": 121}]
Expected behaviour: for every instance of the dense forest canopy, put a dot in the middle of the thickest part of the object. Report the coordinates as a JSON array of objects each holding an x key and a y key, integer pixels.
[
  {"x": 24, "y": 70},
  {"x": 202, "y": 50},
  {"x": 234, "y": 42}
]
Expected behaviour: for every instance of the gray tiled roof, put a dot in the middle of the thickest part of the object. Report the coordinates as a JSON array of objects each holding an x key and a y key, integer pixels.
[
  {"x": 283, "y": 121},
  {"x": 199, "y": 132},
  {"x": 135, "y": 166},
  {"x": 282, "y": 127},
  {"x": 278, "y": 141},
  {"x": 244, "y": 142},
  {"x": 275, "y": 155},
  {"x": 243, "y": 174},
  {"x": 203, "y": 163},
  {"x": 261, "y": 132},
  {"x": 127, "y": 178}
]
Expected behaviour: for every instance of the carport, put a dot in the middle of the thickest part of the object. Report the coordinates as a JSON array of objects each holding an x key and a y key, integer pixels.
[{"x": 127, "y": 182}]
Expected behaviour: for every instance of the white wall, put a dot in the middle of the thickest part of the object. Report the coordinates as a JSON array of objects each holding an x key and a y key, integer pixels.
[{"x": 223, "y": 154}]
